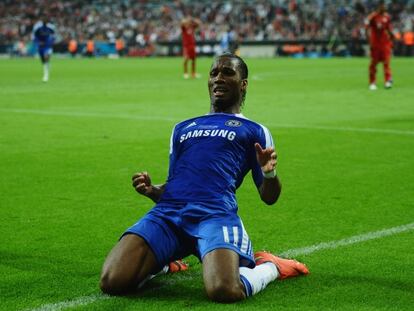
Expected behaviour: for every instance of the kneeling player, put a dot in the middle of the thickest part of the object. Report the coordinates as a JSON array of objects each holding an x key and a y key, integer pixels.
[{"x": 196, "y": 209}]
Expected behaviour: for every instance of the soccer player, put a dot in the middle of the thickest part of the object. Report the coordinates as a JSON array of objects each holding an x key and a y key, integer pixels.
[
  {"x": 380, "y": 36},
  {"x": 188, "y": 28},
  {"x": 196, "y": 209},
  {"x": 43, "y": 37}
]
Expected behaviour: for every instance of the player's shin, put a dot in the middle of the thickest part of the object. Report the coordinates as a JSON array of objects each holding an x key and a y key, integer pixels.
[
  {"x": 45, "y": 71},
  {"x": 256, "y": 279}
]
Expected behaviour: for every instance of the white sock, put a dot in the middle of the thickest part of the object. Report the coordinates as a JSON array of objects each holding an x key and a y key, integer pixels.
[
  {"x": 258, "y": 278},
  {"x": 151, "y": 276},
  {"x": 46, "y": 70}
]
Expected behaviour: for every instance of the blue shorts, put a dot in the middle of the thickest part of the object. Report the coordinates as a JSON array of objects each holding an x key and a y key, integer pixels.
[
  {"x": 172, "y": 231},
  {"x": 45, "y": 51}
]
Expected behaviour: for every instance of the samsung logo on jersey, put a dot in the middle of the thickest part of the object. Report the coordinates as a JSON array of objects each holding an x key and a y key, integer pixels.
[{"x": 230, "y": 135}]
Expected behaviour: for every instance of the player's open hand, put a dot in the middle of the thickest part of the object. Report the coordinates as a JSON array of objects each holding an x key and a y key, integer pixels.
[
  {"x": 142, "y": 183},
  {"x": 267, "y": 158}
]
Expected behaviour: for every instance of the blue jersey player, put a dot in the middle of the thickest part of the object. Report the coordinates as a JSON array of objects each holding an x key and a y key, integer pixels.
[
  {"x": 196, "y": 209},
  {"x": 43, "y": 37}
]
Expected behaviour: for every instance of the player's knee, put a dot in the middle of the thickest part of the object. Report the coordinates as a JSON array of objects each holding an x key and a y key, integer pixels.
[
  {"x": 107, "y": 284},
  {"x": 113, "y": 284},
  {"x": 225, "y": 292}
]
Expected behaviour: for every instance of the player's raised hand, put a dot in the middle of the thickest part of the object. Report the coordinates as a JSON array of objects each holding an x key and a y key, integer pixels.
[
  {"x": 267, "y": 158},
  {"x": 142, "y": 183}
]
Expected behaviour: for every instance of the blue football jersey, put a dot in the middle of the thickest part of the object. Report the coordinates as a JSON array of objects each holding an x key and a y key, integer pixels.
[
  {"x": 209, "y": 158},
  {"x": 43, "y": 35}
]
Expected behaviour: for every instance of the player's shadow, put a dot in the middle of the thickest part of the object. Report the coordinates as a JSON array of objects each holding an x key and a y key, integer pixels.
[{"x": 185, "y": 286}]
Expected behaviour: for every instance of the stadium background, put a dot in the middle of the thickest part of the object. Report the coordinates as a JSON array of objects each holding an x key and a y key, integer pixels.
[
  {"x": 298, "y": 27},
  {"x": 68, "y": 149}
]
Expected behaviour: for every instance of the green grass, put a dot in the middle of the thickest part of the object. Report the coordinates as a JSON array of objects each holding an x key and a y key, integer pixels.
[{"x": 69, "y": 147}]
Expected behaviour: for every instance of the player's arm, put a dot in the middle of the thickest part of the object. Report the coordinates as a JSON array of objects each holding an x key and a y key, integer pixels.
[
  {"x": 142, "y": 183},
  {"x": 271, "y": 187},
  {"x": 368, "y": 35},
  {"x": 367, "y": 23},
  {"x": 391, "y": 35},
  {"x": 35, "y": 38},
  {"x": 389, "y": 31}
]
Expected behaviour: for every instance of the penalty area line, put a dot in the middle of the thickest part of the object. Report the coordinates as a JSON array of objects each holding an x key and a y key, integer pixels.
[{"x": 81, "y": 301}]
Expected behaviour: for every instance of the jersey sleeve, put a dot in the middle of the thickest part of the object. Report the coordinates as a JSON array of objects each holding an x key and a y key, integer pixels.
[
  {"x": 265, "y": 139},
  {"x": 173, "y": 152},
  {"x": 35, "y": 31},
  {"x": 52, "y": 31},
  {"x": 368, "y": 20}
]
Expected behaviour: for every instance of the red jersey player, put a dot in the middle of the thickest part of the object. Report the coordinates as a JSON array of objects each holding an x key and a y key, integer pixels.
[
  {"x": 188, "y": 27},
  {"x": 380, "y": 36}
]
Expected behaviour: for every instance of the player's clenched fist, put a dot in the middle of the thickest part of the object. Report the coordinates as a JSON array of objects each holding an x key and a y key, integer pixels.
[{"x": 142, "y": 183}]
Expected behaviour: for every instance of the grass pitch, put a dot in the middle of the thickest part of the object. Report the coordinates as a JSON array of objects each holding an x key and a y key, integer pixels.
[{"x": 68, "y": 149}]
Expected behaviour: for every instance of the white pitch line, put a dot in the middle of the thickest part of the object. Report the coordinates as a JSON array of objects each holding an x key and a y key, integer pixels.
[
  {"x": 347, "y": 241},
  {"x": 81, "y": 301},
  {"x": 90, "y": 114},
  {"x": 348, "y": 129},
  {"x": 161, "y": 118}
]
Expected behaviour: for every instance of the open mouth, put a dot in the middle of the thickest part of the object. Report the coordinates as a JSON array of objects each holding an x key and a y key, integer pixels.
[{"x": 219, "y": 90}]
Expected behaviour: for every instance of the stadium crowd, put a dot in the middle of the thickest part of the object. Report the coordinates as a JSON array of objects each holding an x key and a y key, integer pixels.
[{"x": 143, "y": 22}]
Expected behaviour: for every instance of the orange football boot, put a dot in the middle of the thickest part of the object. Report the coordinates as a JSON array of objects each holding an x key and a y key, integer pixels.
[
  {"x": 287, "y": 267},
  {"x": 177, "y": 266}
]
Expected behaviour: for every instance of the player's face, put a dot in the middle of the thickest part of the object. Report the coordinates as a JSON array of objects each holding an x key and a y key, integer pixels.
[
  {"x": 225, "y": 84},
  {"x": 45, "y": 19}
]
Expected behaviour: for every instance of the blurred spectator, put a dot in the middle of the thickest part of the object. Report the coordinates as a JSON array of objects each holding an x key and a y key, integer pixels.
[
  {"x": 228, "y": 40},
  {"x": 19, "y": 48},
  {"x": 90, "y": 47},
  {"x": 120, "y": 46},
  {"x": 148, "y": 21},
  {"x": 408, "y": 39},
  {"x": 73, "y": 47}
]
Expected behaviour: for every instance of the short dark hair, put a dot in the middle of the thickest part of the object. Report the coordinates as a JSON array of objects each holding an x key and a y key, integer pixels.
[
  {"x": 244, "y": 71},
  {"x": 242, "y": 67}
]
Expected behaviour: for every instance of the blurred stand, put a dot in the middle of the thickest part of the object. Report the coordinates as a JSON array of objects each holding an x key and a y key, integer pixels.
[{"x": 319, "y": 28}]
